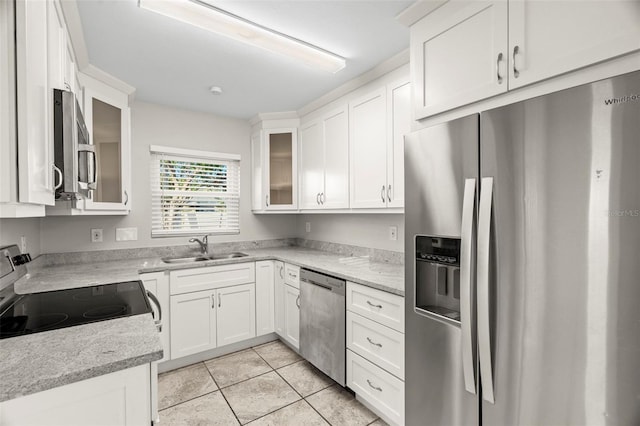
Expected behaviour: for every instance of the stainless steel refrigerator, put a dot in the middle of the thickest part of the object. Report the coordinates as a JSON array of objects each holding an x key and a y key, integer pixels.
[{"x": 523, "y": 263}]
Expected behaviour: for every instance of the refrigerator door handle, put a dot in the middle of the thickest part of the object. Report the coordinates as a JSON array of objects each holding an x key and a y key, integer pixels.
[
  {"x": 466, "y": 289},
  {"x": 484, "y": 322}
]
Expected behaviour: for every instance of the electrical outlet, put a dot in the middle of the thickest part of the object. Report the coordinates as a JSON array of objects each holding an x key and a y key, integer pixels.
[
  {"x": 393, "y": 233},
  {"x": 307, "y": 226},
  {"x": 96, "y": 235}
]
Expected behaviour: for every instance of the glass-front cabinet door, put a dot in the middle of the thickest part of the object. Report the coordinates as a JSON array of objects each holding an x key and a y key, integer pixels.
[
  {"x": 280, "y": 151},
  {"x": 108, "y": 120}
]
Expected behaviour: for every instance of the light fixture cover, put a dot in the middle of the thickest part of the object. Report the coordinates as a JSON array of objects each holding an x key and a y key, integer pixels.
[{"x": 208, "y": 17}]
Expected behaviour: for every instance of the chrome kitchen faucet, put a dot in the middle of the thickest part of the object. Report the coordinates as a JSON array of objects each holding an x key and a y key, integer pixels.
[{"x": 204, "y": 244}]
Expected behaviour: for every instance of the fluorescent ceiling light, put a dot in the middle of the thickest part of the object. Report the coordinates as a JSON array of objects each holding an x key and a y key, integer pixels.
[{"x": 210, "y": 18}]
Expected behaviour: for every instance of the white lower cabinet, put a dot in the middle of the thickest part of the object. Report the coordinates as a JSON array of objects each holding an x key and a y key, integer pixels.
[
  {"x": 265, "y": 297},
  {"x": 236, "y": 314},
  {"x": 120, "y": 398},
  {"x": 380, "y": 389},
  {"x": 193, "y": 323},
  {"x": 222, "y": 311},
  {"x": 278, "y": 302},
  {"x": 292, "y": 315},
  {"x": 375, "y": 350}
]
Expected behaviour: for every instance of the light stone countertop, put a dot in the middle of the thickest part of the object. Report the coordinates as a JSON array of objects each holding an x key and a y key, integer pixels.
[
  {"x": 41, "y": 361},
  {"x": 388, "y": 277}
]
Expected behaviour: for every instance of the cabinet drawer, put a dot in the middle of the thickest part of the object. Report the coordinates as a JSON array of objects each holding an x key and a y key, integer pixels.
[
  {"x": 197, "y": 279},
  {"x": 379, "y": 306},
  {"x": 292, "y": 275},
  {"x": 377, "y": 343},
  {"x": 379, "y": 388}
]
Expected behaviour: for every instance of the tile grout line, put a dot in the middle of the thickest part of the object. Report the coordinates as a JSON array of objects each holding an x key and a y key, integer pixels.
[
  {"x": 222, "y": 393},
  {"x": 187, "y": 400}
]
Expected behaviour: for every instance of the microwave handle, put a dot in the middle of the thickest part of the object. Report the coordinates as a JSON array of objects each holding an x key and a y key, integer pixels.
[{"x": 91, "y": 164}]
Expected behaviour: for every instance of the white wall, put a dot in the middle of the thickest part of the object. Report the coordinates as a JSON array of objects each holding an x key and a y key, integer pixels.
[
  {"x": 12, "y": 229},
  {"x": 159, "y": 125},
  {"x": 365, "y": 230}
]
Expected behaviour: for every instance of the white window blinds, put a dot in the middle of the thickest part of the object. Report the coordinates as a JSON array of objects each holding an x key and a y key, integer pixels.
[{"x": 194, "y": 192}]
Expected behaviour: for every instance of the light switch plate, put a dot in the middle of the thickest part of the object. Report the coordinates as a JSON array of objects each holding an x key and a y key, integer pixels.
[
  {"x": 393, "y": 233},
  {"x": 96, "y": 235},
  {"x": 126, "y": 234}
]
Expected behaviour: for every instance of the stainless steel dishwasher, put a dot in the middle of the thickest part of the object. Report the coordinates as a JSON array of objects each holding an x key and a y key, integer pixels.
[{"x": 322, "y": 323}]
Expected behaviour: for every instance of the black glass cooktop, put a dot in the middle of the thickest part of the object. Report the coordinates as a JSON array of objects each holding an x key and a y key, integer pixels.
[{"x": 36, "y": 312}]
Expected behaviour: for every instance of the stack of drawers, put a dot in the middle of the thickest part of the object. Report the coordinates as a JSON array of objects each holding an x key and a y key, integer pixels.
[{"x": 375, "y": 349}]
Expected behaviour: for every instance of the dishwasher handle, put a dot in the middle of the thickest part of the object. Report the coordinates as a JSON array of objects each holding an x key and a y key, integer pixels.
[{"x": 326, "y": 282}]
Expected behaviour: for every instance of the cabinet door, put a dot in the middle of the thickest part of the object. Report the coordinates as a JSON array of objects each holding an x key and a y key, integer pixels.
[
  {"x": 281, "y": 151},
  {"x": 279, "y": 298},
  {"x": 258, "y": 202},
  {"x": 120, "y": 398},
  {"x": 336, "y": 160},
  {"x": 292, "y": 315},
  {"x": 236, "y": 318},
  {"x": 458, "y": 55},
  {"x": 158, "y": 284},
  {"x": 368, "y": 139},
  {"x": 399, "y": 119},
  {"x": 547, "y": 38},
  {"x": 107, "y": 117},
  {"x": 265, "y": 297},
  {"x": 193, "y": 323},
  {"x": 312, "y": 163},
  {"x": 35, "y": 147},
  {"x": 8, "y": 167}
]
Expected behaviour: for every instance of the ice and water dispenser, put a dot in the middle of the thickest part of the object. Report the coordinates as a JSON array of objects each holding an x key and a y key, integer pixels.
[{"x": 437, "y": 286}]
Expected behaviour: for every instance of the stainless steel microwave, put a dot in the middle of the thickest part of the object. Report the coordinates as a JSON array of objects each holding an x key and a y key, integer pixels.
[{"x": 74, "y": 153}]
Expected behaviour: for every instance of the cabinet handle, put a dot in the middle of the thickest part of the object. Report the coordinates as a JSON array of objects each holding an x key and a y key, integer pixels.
[
  {"x": 382, "y": 193},
  {"x": 266, "y": 198},
  {"x": 389, "y": 193},
  {"x": 318, "y": 198},
  {"x": 298, "y": 301},
  {"x": 374, "y": 343},
  {"x": 219, "y": 300},
  {"x": 375, "y": 306},
  {"x": 322, "y": 198},
  {"x": 126, "y": 197},
  {"x": 213, "y": 301},
  {"x": 281, "y": 273},
  {"x": 500, "y": 56},
  {"x": 516, "y": 50},
  {"x": 59, "y": 173},
  {"x": 374, "y": 387}
]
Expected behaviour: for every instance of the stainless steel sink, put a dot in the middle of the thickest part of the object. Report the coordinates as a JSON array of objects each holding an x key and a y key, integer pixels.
[{"x": 203, "y": 258}]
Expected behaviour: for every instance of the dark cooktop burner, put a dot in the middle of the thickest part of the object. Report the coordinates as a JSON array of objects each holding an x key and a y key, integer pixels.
[{"x": 36, "y": 312}]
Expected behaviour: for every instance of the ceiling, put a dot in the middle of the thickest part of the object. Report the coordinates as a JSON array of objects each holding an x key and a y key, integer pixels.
[{"x": 175, "y": 64}]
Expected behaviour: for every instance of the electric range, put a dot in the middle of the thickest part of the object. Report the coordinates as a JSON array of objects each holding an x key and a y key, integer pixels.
[{"x": 22, "y": 314}]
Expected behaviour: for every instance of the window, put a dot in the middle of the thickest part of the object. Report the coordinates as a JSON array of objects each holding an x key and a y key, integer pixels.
[{"x": 194, "y": 192}]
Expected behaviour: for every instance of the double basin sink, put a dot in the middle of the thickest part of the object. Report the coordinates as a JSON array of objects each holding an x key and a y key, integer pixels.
[{"x": 203, "y": 257}]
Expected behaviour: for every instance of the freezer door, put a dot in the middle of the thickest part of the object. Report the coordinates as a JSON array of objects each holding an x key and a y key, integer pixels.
[
  {"x": 563, "y": 258},
  {"x": 439, "y": 161}
]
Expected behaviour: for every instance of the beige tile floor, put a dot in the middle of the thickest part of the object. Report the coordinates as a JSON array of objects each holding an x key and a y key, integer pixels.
[{"x": 267, "y": 385}]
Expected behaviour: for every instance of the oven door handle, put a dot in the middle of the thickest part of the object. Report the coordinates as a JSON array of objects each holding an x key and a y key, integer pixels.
[{"x": 155, "y": 301}]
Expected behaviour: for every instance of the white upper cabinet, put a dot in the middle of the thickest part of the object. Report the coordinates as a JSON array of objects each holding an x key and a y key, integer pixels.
[
  {"x": 274, "y": 169},
  {"x": 548, "y": 38},
  {"x": 399, "y": 118},
  {"x": 108, "y": 119},
  {"x": 378, "y": 123},
  {"x": 368, "y": 140},
  {"x": 324, "y": 162},
  {"x": 35, "y": 146},
  {"x": 467, "y": 51},
  {"x": 459, "y": 55}
]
